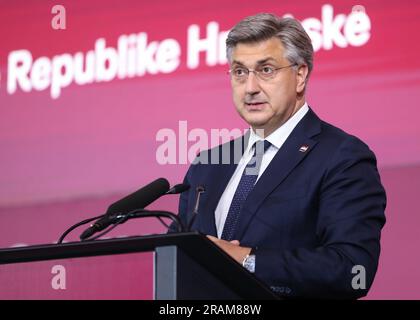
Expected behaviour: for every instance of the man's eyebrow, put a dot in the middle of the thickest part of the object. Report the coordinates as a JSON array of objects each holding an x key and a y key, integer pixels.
[
  {"x": 259, "y": 62},
  {"x": 237, "y": 62},
  {"x": 269, "y": 59}
]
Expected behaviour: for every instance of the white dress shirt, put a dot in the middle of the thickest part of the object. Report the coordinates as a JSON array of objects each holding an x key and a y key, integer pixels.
[{"x": 277, "y": 138}]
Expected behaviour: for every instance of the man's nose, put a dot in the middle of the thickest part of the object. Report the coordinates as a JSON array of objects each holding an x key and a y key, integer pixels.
[{"x": 252, "y": 84}]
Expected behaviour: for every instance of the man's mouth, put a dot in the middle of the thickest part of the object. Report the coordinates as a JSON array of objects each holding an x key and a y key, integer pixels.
[{"x": 254, "y": 106}]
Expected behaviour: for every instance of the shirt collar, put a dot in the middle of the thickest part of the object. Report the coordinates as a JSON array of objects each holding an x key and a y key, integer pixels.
[{"x": 279, "y": 136}]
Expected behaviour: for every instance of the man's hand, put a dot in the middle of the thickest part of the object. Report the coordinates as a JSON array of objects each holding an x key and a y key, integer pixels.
[{"x": 232, "y": 248}]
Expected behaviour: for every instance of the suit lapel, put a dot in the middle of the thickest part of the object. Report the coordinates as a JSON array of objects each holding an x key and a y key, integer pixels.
[
  {"x": 214, "y": 189},
  {"x": 297, "y": 146},
  {"x": 216, "y": 183}
]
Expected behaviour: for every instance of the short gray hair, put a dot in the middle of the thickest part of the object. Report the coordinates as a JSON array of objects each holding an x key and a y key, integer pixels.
[{"x": 263, "y": 26}]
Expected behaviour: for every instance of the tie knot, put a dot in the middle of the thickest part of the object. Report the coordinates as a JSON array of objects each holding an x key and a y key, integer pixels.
[{"x": 261, "y": 146}]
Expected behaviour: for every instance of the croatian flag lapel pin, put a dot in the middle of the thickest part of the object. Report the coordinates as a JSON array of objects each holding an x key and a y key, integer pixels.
[{"x": 304, "y": 148}]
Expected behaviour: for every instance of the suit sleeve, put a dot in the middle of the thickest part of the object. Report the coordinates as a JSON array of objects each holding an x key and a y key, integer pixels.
[
  {"x": 351, "y": 215},
  {"x": 183, "y": 203}
]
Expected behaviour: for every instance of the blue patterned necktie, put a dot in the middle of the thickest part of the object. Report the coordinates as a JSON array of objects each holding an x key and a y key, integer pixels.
[{"x": 247, "y": 182}]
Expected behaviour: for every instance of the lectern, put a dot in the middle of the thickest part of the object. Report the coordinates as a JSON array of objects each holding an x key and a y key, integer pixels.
[{"x": 186, "y": 265}]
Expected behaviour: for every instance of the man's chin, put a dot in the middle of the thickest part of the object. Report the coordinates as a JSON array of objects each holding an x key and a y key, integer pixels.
[{"x": 256, "y": 121}]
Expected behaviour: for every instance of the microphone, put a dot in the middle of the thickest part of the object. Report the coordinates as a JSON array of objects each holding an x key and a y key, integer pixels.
[
  {"x": 136, "y": 200},
  {"x": 179, "y": 188},
  {"x": 199, "y": 190}
]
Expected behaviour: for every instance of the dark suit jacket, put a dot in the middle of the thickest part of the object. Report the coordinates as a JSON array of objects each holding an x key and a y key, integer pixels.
[{"x": 312, "y": 215}]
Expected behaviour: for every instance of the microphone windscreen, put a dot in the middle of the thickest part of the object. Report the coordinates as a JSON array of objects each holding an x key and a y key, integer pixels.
[
  {"x": 140, "y": 198},
  {"x": 179, "y": 188}
]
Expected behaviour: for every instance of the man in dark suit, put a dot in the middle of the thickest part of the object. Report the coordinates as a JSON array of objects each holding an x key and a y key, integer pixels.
[{"x": 303, "y": 207}]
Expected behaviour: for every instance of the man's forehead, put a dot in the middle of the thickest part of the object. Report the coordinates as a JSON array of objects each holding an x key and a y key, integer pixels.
[{"x": 270, "y": 50}]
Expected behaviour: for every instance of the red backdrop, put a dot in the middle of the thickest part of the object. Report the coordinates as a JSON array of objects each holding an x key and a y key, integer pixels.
[{"x": 77, "y": 134}]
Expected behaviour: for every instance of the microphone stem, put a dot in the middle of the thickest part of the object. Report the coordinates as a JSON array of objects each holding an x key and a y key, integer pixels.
[{"x": 199, "y": 190}]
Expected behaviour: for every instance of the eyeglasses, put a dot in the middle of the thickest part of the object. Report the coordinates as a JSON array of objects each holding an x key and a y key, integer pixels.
[{"x": 264, "y": 73}]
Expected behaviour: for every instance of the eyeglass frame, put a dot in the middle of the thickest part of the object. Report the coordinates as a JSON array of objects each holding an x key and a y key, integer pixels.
[{"x": 258, "y": 72}]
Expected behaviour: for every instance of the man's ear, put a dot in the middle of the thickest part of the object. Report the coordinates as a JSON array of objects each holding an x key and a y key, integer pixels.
[{"x": 301, "y": 77}]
